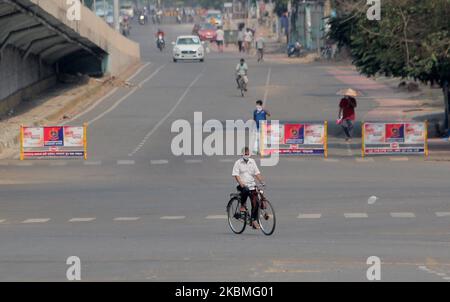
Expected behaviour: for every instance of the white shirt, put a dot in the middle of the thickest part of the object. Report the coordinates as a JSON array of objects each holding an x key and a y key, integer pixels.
[
  {"x": 248, "y": 36},
  {"x": 246, "y": 171},
  {"x": 220, "y": 35},
  {"x": 241, "y": 69}
]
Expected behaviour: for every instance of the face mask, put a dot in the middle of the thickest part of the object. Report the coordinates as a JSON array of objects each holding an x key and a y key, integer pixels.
[
  {"x": 259, "y": 108},
  {"x": 246, "y": 157}
]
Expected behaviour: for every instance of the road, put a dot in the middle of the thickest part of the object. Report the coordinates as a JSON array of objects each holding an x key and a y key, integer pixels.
[{"x": 136, "y": 212}]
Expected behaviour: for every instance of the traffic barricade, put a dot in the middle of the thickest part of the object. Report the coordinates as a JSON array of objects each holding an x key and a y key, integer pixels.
[
  {"x": 395, "y": 138},
  {"x": 293, "y": 138},
  {"x": 53, "y": 142}
]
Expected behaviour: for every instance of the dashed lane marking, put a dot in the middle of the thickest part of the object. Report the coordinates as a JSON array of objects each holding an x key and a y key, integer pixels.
[
  {"x": 159, "y": 162},
  {"x": 126, "y": 218},
  {"x": 403, "y": 215},
  {"x": 87, "y": 219},
  {"x": 309, "y": 216},
  {"x": 36, "y": 220},
  {"x": 216, "y": 217},
  {"x": 172, "y": 217},
  {"x": 356, "y": 215},
  {"x": 443, "y": 214}
]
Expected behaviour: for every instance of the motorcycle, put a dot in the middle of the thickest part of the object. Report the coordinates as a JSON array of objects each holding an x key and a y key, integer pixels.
[
  {"x": 161, "y": 43},
  {"x": 125, "y": 28},
  {"x": 294, "y": 49},
  {"x": 153, "y": 19},
  {"x": 142, "y": 19}
]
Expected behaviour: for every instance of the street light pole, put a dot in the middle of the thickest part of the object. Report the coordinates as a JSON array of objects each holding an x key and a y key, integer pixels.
[{"x": 116, "y": 15}]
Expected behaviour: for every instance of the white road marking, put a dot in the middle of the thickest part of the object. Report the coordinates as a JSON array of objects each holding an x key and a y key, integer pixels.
[
  {"x": 217, "y": 217},
  {"x": 90, "y": 108},
  {"x": 36, "y": 220},
  {"x": 403, "y": 215},
  {"x": 356, "y": 215},
  {"x": 193, "y": 161},
  {"x": 159, "y": 162},
  {"x": 365, "y": 160},
  {"x": 92, "y": 163},
  {"x": 266, "y": 92},
  {"x": 309, "y": 216},
  {"x": 443, "y": 214},
  {"x": 117, "y": 103},
  {"x": 125, "y": 162},
  {"x": 82, "y": 219},
  {"x": 126, "y": 218},
  {"x": 58, "y": 164},
  {"x": 172, "y": 217},
  {"x": 2, "y": 220},
  {"x": 149, "y": 134},
  {"x": 398, "y": 158},
  {"x": 446, "y": 278}
]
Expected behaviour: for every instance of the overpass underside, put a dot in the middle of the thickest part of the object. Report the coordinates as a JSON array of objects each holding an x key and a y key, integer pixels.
[{"x": 31, "y": 31}]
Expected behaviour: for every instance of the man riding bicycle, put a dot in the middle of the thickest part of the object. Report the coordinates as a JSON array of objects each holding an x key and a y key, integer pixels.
[
  {"x": 241, "y": 71},
  {"x": 245, "y": 171}
]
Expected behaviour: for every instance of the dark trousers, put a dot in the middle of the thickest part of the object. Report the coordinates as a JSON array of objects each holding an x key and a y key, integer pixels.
[
  {"x": 245, "y": 193},
  {"x": 241, "y": 49},
  {"x": 347, "y": 125}
]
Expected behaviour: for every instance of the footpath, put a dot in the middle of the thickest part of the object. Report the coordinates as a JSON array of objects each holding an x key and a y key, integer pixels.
[{"x": 70, "y": 96}]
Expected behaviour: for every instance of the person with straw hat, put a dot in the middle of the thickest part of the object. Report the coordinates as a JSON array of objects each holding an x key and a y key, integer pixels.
[{"x": 347, "y": 114}]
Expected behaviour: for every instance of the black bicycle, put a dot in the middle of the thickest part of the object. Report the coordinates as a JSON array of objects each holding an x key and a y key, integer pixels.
[{"x": 238, "y": 220}]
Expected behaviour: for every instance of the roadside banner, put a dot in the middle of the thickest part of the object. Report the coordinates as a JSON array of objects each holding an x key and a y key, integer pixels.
[
  {"x": 293, "y": 138},
  {"x": 53, "y": 142},
  {"x": 395, "y": 138}
]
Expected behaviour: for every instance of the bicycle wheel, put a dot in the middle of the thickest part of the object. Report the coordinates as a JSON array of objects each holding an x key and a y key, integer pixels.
[
  {"x": 237, "y": 220},
  {"x": 267, "y": 219}
]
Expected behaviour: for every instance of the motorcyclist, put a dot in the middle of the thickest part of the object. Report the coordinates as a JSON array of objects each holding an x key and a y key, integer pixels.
[
  {"x": 160, "y": 37},
  {"x": 241, "y": 71}
]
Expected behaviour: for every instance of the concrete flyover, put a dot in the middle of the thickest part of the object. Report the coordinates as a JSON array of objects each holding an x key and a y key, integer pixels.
[{"x": 38, "y": 41}]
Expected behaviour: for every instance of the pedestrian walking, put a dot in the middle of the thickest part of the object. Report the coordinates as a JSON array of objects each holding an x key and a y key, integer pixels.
[
  {"x": 220, "y": 37},
  {"x": 347, "y": 114},
  {"x": 259, "y": 114},
  {"x": 248, "y": 38},
  {"x": 240, "y": 40},
  {"x": 260, "y": 44}
]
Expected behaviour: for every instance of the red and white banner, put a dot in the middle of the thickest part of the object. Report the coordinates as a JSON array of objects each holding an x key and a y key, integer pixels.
[
  {"x": 395, "y": 138},
  {"x": 55, "y": 141}
]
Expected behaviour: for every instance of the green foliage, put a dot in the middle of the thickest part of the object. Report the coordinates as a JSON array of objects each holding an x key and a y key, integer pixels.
[{"x": 411, "y": 40}]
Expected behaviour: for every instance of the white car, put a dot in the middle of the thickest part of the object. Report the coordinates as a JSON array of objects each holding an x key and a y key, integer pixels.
[{"x": 188, "y": 48}]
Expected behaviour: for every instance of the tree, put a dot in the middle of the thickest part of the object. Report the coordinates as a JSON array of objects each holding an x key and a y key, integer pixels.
[{"x": 412, "y": 39}]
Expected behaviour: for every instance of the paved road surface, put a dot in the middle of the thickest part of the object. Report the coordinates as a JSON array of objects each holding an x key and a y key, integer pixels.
[{"x": 134, "y": 211}]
